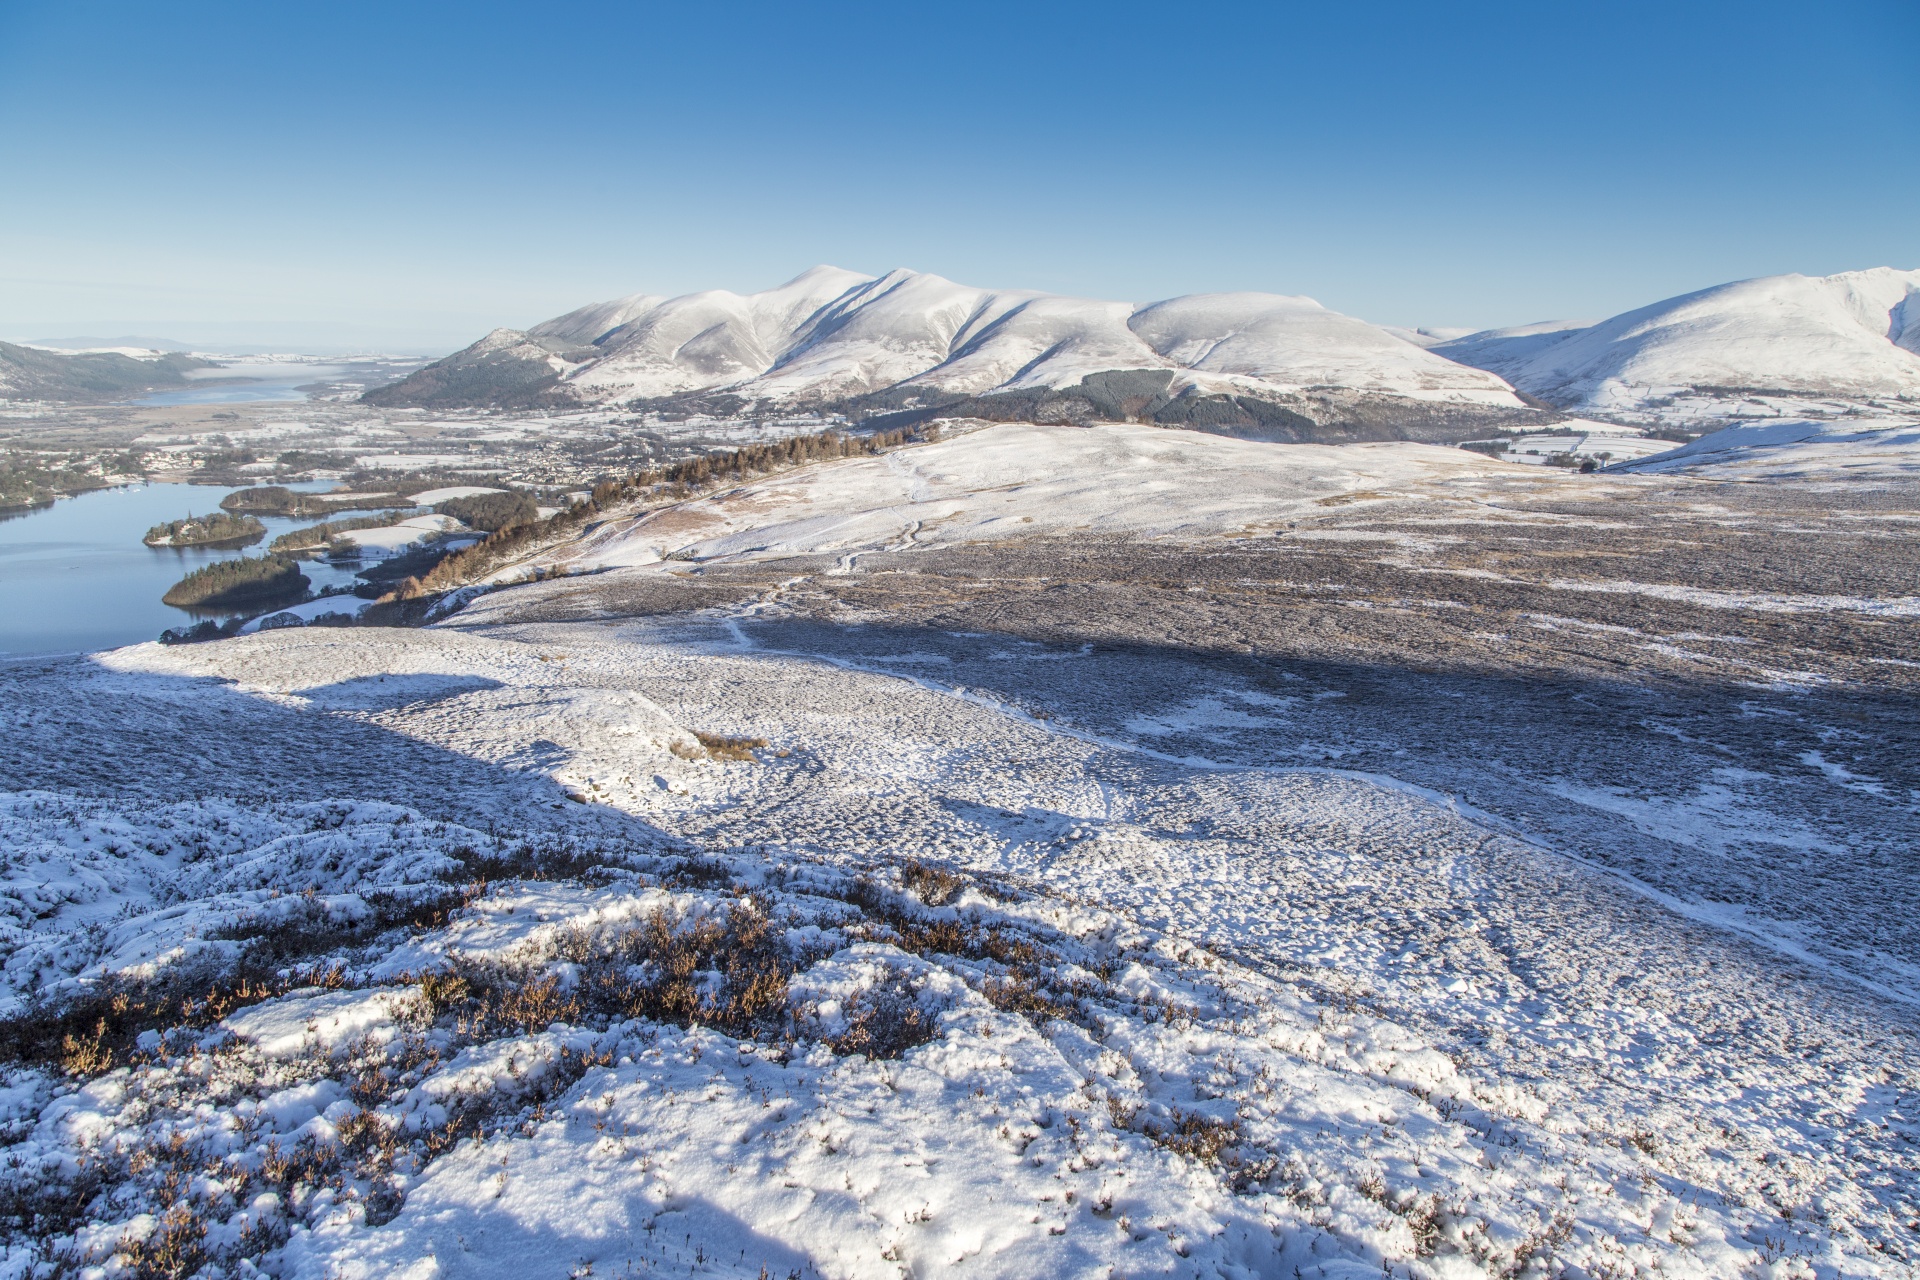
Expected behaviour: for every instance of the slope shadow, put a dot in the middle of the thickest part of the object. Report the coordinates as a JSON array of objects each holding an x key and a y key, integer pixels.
[
  {"x": 1713, "y": 794},
  {"x": 77, "y": 728}
]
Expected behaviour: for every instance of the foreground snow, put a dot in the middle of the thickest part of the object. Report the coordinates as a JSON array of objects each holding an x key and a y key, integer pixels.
[
  {"x": 743, "y": 944},
  {"x": 1133, "y": 1017}
]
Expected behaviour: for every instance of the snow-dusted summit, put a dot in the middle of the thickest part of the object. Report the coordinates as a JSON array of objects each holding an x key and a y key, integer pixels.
[
  {"x": 909, "y": 341},
  {"x": 1852, "y": 337}
]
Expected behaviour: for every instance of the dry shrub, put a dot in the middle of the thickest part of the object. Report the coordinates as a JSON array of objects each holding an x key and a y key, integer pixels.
[
  {"x": 1031, "y": 985},
  {"x": 1023, "y": 994},
  {"x": 728, "y": 971},
  {"x": 718, "y": 746},
  {"x": 99, "y": 1030},
  {"x": 1196, "y": 1135},
  {"x": 934, "y": 885},
  {"x": 175, "y": 1248},
  {"x": 885, "y": 1021},
  {"x": 555, "y": 858}
]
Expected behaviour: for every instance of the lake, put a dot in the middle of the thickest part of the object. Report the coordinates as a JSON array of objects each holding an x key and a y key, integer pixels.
[
  {"x": 75, "y": 577},
  {"x": 249, "y": 382}
]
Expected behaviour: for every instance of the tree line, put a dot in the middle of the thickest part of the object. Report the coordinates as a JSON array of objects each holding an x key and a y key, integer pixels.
[{"x": 674, "y": 481}]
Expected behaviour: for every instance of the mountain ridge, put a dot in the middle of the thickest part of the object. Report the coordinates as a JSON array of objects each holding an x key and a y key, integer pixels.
[
  {"x": 1853, "y": 335},
  {"x": 908, "y": 344},
  {"x": 35, "y": 373}
]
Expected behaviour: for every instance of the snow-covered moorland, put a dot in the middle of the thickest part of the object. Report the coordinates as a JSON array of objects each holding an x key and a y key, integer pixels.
[{"x": 1406, "y": 866}]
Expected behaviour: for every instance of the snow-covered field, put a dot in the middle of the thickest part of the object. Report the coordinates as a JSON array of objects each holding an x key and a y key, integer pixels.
[{"x": 777, "y": 903}]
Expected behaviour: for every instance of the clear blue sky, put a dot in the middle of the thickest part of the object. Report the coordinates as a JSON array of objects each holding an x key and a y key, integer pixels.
[{"x": 424, "y": 171}]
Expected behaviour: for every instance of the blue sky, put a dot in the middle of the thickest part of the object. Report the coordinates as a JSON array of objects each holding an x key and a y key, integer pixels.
[{"x": 410, "y": 174}]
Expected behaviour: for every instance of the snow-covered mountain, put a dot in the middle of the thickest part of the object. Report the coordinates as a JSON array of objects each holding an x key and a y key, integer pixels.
[
  {"x": 917, "y": 343},
  {"x": 1852, "y": 337}
]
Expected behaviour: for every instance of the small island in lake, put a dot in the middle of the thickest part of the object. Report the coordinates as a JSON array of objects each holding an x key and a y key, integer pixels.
[
  {"x": 278, "y": 500},
  {"x": 273, "y": 500},
  {"x": 237, "y": 583},
  {"x": 215, "y": 530}
]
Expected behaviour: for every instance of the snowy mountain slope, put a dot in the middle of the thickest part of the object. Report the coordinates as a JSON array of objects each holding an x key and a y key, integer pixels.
[
  {"x": 506, "y": 367},
  {"x": 910, "y": 339},
  {"x": 707, "y": 340},
  {"x": 1132, "y": 1015},
  {"x": 1504, "y": 351},
  {"x": 1804, "y": 450},
  {"x": 1425, "y": 336},
  {"x": 582, "y": 326},
  {"x": 1854, "y": 335},
  {"x": 1025, "y": 480},
  {"x": 1264, "y": 339}
]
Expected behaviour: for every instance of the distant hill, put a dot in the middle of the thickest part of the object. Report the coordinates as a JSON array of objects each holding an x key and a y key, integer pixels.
[
  {"x": 30, "y": 373},
  {"x": 909, "y": 345},
  {"x": 104, "y": 344},
  {"x": 1855, "y": 336}
]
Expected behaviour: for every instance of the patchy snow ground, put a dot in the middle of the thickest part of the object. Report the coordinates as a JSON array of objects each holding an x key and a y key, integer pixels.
[
  {"x": 737, "y": 943},
  {"x": 1145, "y": 1017}
]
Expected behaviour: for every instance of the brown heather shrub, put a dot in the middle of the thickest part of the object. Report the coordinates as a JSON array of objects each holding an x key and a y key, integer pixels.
[
  {"x": 175, "y": 1248},
  {"x": 1197, "y": 1136},
  {"x": 721, "y": 747},
  {"x": 729, "y": 971},
  {"x": 97, "y": 1032},
  {"x": 936, "y": 886},
  {"x": 885, "y": 1021},
  {"x": 1031, "y": 986}
]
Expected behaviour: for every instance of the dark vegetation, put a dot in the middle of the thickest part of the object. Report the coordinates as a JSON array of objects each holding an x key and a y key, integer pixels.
[
  {"x": 274, "y": 500},
  {"x": 27, "y": 373},
  {"x": 234, "y": 583},
  {"x": 722, "y": 747},
  {"x": 1313, "y": 416},
  {"x": 32, "y": 479},
  {"x": 514, "y": 374},
  {"x": 202, "y": 531},
  {"x": 490, "y": 512}
]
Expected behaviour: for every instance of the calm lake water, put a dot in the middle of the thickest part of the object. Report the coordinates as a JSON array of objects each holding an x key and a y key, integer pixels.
[
  {"x": 249, "y": 383},
  {"x": 75, "y": 577}
]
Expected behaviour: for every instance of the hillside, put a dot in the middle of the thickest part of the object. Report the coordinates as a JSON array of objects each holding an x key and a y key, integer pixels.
[
  {"x": 1852, "y": 337},
  {"x": 1797, "y": 449},
  {"x": 30, "y": 373},
  {"x": 912, "y": 345}
]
